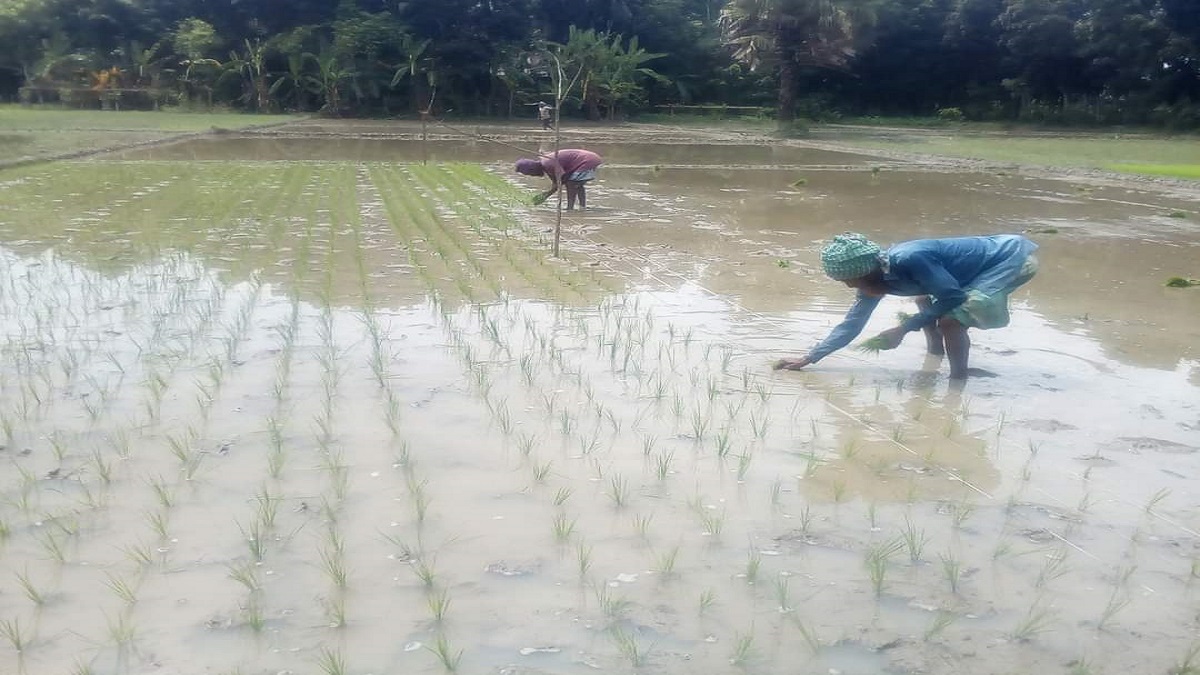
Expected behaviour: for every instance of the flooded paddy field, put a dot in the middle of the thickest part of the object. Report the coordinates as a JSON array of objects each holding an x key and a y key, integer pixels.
[{"x": 299, "y": 403}]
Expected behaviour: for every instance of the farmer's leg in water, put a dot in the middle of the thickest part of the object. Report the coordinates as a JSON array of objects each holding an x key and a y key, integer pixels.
[
  {"x": 934, "y": 343},
  {"x": 958, "y": 346},
  {"x": 582, "y": 196},
  {"x": 574, "y": 190}
]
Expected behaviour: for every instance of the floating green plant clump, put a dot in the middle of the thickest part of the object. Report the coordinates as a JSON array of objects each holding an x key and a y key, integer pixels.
[{"x": 1180, "y": 282}]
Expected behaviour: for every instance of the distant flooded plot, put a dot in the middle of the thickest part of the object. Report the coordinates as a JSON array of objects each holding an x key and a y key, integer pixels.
[
  {"x": 275, "y": 414},
  {"x": 267, "y": 148}
]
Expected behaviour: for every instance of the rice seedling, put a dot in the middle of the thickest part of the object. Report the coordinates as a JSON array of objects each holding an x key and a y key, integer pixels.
[
  {"x": 1116, "y": 602},
  {"x": 914, "y": 540},
  {"x": 662, "y": 464},
  {"x": 331, "y": 662},
  {"x": 648, "y": 445},
  {"x": 439, "y": 604},
  {"x": 31, "y": 591},
  {"x": 122, "y": 588},
  {"x": 1035, "y": 622},
  {"x": 612, "y": 606},
  {"x": 839, "y": 491},
  {"x": 54, "y": 547},
  {"x": 618, "y": 490},
  {"x": 562, "y": 495},
  {"x": 164, "y": 493},
  {"x": 700, "y": 426},
  {"x": 664, "y": 563},
  {"x": 246, "y": 574},
  {"x": 158, "y": 523},
  {"x": 783, "y": 593},
  {"x": 744, "y": 465},
  {"x": 940, "y": 623},
  {"x": 1055, "y": 567},
  {"x": 951, "y": 570},
  {"x": 122, "y": 630},
  {"x": 776, "y": 493},
  {"x": 10, "y": 630},
  {"x": 807, "y": 633},
  {"x": 722, "y": 443},
  {"x": 960, "y": 512},
  {"x": 1189, "y": 664},
  {"x": 446, "y": 655},
  {"x": 641, "y": 525},
  {"x": 1157, "y": 499},
  {"x": 255, "y": 540},
  {"x": 712, "y": 522},
  {"x": 873, "y": 345},
  {"x": 102, "y": 467},
  {"x": 753, "y": 564},
  {"x": 629, "y": 647},
  {"x": 583, "y": 559},
  {"x": 425, "y": 571},
  {"x": 876, "y": 560},
  {"x": 743, "y": 648},
  {"x": 542, "y": 471},
  {"x": 563, "y": 527},
  {"x": 254, "y": 615},
  {"x": 525, "y": 443},
  {"x": 805, "y": 519},
  {"x": 139, "y": 554}
]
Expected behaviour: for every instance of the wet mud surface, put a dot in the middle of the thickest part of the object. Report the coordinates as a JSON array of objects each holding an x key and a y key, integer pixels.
[{"x": 291, "y": 400}]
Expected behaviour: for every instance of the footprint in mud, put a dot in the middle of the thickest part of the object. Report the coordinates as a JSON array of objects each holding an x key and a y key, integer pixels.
[
  {"x": 1095, "y": 460},
  {"x": 1047, "y": 426},
  {"x": 1139, "y": 444},
  {"x": 507, "y": 569}
]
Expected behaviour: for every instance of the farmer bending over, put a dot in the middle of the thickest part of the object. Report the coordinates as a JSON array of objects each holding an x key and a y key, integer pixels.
[
  {"x": 959, "y": 283},
  {"x": 573, "y": 168}
]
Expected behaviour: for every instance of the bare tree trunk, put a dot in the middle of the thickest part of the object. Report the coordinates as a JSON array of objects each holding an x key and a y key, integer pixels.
[{"x": 786, "y": 113}]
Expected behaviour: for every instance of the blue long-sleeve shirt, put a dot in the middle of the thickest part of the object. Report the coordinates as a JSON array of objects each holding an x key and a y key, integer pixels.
[{"x": 944, "y": 269}]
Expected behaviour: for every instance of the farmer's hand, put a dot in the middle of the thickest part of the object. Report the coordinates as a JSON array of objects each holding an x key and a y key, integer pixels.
[
  {"x": 792, "y": 364},
  {"x": 891, "y": 338}
]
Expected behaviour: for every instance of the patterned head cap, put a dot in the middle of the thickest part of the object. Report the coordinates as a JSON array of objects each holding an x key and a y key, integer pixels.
[
  {"x": 530, "y": 167},
  {"x": 849, "y": 256}
]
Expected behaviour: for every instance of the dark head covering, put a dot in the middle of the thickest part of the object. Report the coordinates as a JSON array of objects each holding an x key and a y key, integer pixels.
[{"x": 530, "y": 167}]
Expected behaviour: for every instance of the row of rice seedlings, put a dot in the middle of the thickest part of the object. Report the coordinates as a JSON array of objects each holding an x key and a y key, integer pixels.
[
  {"x": 399, "y": 190},
  {"x": 475, "y": 211}
]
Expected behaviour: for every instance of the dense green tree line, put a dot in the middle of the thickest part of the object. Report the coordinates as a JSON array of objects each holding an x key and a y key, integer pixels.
[{"x": 1073, "y": 61}]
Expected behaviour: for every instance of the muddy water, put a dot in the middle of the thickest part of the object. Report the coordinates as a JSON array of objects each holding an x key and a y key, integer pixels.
[{"x": 287, "y": 373}]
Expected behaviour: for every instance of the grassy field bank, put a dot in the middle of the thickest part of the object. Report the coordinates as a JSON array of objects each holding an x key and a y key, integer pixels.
[
  {"x": 1177, "y": 157},
  {"x": 38, "y": 132}
]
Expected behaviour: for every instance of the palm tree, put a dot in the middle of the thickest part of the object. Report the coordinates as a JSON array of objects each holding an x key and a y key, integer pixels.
[
  {"x": 331, "y": 74},
  {"x": 250, "y": 65},
  {"x": 790, "y": 35},
  {"x": 415, "y": 62},
  {"x": 294, "y": 78}
]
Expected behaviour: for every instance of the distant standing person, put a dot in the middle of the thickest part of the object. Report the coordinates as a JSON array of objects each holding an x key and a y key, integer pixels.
[
  {"x": 544, "y": 114},
  {"x": 959, "y": 283},
  {"x": 573, "y": 168}
]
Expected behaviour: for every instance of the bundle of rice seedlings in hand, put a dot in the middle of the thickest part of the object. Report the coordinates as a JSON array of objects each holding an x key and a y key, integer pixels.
[
  {"x": 874, "y": 345},
  {"x": 903, "y": 316},
  {"x": 539, "y": 199}
]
